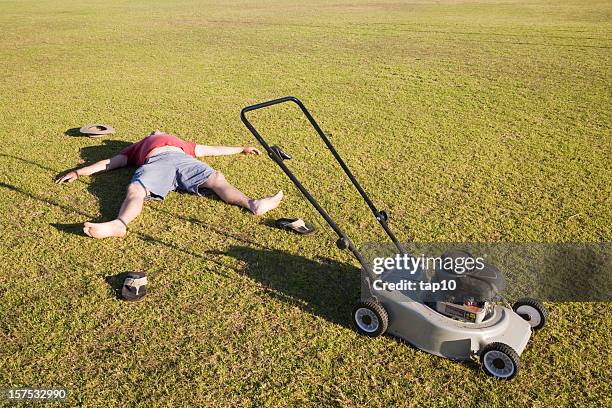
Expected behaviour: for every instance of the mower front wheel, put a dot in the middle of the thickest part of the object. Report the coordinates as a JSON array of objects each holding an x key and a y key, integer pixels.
[
  {"x": 499, "y": 360},
  {"x": 370, "y": 318}
]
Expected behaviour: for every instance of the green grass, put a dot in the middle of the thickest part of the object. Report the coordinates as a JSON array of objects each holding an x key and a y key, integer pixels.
[{"x": 467, "y": 121}]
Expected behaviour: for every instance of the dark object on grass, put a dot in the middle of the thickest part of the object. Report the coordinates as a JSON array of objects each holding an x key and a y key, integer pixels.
[
  {"x": 295, "y": 224},
  {"x": 134, "y": 287},
  {"x": 97, "y": 130}
]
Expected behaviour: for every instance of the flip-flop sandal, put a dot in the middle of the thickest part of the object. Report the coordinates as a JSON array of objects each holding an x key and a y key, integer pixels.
[
  {"x": 134, "y": 287},
  {"x": 295, "y": 224}
]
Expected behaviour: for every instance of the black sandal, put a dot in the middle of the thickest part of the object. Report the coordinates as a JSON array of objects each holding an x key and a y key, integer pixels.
[
  {"x": 295, "y": 224},
  {"x": 134, "y": 287}
]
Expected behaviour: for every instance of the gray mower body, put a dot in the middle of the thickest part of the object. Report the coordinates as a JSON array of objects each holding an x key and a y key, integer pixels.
[{"x": 413, "y": 321}]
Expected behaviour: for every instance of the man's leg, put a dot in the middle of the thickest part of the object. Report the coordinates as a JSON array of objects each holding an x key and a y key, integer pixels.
[
  {"x": 231, "y": 195},
  {"x": 130, "y": 209}
]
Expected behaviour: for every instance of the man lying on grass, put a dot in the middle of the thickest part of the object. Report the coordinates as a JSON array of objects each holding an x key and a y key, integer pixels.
[{"x": 167, "y": 163}]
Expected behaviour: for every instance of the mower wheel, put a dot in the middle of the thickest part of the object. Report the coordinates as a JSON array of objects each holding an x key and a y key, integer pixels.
[
  {"x": 532, "y": 311},
  {"x": 370, "y": 318},
  {"x": 499, "y": 360}
]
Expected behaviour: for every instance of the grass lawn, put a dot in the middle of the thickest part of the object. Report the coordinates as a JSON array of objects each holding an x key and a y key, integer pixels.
[{"x": 468, "y": 121}]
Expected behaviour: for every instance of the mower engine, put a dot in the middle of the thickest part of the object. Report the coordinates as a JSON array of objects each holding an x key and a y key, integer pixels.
[
  {"x": 471, "y": 300},
  {"x": 468, "y": 311}
]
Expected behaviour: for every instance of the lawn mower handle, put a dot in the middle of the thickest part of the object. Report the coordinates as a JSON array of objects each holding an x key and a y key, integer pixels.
[{"x": 343, "y": 241}]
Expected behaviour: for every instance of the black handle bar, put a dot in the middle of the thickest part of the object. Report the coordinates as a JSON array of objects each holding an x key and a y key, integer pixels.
[{"x": 381, "y": 216}]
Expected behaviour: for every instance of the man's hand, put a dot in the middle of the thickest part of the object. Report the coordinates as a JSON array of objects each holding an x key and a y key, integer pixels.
[
  {"x": 251, "y": 150},
  {"x": 68, "y": 177},
  {"x": 103, "y": 165}
]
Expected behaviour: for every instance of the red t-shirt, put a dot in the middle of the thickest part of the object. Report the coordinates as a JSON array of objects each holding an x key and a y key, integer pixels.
[{"x": 137, "y": 153}]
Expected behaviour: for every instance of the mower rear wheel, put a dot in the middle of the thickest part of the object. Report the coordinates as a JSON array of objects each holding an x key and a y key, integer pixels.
[
  {"x": 499, "y": 360},
  {"x": 370, "y": 318},
  {"x": 531, "y": 310}
]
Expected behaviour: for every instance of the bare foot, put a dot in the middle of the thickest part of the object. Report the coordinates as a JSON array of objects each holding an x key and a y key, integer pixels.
[
  {"x": 113, "y": 228},
  {"x": 260, "y": 207}
]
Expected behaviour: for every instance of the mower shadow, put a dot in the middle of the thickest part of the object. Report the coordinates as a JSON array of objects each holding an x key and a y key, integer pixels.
[{"x": 324, "y": 287}]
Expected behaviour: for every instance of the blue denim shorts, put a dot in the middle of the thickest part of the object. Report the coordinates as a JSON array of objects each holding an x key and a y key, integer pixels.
[{"x": 169, "y": 171}]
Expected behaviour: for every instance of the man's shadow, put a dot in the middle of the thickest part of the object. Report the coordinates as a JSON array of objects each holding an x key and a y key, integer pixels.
[
  {"x": 108, "y": 187},
  {"x": 324, "y": 287}
]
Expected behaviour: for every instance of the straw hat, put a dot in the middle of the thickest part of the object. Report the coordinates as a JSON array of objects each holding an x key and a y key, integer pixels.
[{"x": 97, "y": 129}]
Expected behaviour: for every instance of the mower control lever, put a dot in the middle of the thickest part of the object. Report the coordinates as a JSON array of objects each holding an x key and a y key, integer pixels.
[{"x": 280, "y": 152}]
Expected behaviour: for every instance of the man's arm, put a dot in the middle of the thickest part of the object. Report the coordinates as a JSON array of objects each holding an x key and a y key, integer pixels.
[
  {"x": 103, "y": 165},
  {"x": 202, "y": 150}
]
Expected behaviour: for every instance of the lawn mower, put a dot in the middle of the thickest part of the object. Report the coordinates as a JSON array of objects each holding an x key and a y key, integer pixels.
[{"x": 471, "y": 322}]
